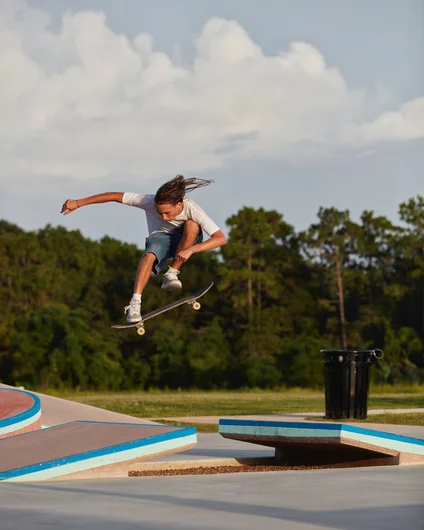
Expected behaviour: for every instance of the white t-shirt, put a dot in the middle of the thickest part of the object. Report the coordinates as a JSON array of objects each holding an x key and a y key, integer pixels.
[{"x": 191, "y": 210}]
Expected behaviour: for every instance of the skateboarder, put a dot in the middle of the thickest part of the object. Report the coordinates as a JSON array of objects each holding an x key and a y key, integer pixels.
[{"x": 175, "y": 223}]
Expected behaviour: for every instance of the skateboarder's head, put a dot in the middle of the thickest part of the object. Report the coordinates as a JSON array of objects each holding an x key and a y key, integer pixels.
[{"x": 169, "y": 197}]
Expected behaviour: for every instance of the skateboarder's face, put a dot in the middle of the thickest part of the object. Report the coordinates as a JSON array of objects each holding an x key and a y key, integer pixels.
[{"x": 169, "y": 211}]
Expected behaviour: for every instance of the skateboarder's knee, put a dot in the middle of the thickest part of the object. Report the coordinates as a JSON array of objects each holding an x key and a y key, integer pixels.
[
  {"x": 192, "y": 228},
  {"x": 149, "y": 256}
]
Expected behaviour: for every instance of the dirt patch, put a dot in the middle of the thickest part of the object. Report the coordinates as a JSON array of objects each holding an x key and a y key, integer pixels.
[
  {"x": 220, "y": 470},
  {"x": 215, "y": 470}
]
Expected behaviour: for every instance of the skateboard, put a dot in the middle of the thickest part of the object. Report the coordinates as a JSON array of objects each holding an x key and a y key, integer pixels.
[{"x": 190, "y": 300}]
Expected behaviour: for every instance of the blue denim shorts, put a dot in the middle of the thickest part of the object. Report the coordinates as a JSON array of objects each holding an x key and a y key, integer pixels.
[{"x": 164, "y": 245}]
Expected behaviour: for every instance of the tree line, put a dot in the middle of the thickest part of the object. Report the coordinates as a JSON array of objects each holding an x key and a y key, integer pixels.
[{"x": 280, "y": 296}]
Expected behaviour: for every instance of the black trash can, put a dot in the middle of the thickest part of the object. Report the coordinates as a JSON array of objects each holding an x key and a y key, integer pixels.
[{"x": 346, "y": 376}]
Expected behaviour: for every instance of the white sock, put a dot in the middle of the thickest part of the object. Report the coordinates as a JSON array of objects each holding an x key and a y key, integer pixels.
[
  {"x": 171, "y": 269},
  {"x": 136, "y": 297}
]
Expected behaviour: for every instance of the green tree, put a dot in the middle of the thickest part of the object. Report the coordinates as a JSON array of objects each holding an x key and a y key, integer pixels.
[
  {"x": 412, "y": 247},
  {"x": 374, "y": 296},
  {"x": 208, "y": 356},
  {"x": 248, "y": 275},
  {"x": 56, "y": 347},
  {"x": 331, "y": 243}
]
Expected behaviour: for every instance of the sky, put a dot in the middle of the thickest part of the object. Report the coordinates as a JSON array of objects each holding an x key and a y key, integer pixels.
[{"x": 290, "y": 106}]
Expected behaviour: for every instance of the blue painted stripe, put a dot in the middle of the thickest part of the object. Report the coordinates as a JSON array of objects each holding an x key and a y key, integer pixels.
[
  {"x": 27, "y": 414},
  {"x": 151, "y": 440},
  {"x": 153, "y": 425},
  {"x": 47, "y": 428},
  {"x": 383, "y": 434},
  {"x": 284, "y": 425},
  {"x": 14, "y": 428}
]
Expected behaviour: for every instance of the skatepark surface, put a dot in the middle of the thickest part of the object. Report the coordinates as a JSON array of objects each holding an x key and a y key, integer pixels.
[
  {"x": 389, "y": 498},
  {"x": 303, "y": 498}
]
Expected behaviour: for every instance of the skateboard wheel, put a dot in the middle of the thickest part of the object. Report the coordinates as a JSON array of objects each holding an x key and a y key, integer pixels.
[
  {"x": 196, "y": 306},
  {"x": 141, "y": 330}
]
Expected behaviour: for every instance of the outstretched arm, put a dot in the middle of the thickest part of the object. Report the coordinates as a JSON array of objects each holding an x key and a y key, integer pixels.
[{"x": 73, "y": 204}]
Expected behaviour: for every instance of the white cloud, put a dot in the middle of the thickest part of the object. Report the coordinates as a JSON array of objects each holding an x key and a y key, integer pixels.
[
  {"x": 405, "y": 124},
  {"x": 86, "y": 102}
]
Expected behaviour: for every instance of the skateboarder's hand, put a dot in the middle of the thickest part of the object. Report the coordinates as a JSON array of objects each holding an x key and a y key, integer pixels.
[
  {"x": 69, "y": 206},
  {"x": 184, "y": 255}
]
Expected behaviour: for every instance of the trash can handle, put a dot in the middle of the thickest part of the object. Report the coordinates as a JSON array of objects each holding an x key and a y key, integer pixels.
[{"x": 378, "y": 356}]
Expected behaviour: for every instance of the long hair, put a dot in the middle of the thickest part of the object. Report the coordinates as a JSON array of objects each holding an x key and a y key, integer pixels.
[{"x": 175, "y": 190}]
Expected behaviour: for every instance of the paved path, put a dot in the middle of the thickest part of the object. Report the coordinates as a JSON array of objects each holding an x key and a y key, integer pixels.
[{"x": 386, "y": 498}]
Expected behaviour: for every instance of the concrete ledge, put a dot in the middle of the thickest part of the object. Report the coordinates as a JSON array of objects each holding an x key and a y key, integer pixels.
[{"x": 292, "y": 440}]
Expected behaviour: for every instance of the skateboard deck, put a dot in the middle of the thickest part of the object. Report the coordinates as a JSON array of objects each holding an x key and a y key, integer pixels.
[{"x": 191, "y": 300}]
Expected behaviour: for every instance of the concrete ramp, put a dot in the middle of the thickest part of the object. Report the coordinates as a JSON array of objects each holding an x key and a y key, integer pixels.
[
  {"x": 88, "y": 449},
  {"x": 56, "y": 411},
  {"x": 330, "y": 443},
  {"x": 20, "y": 412}
]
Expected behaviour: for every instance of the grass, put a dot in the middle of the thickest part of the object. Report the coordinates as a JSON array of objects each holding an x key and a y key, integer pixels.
[
  {"x": 415, "y": 419},
  {"x": 154, "y": 405},
  {"x": 200, "y": 427}
]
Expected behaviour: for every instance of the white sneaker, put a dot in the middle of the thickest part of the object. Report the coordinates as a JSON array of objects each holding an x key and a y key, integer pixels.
[
  {"x": 171, "y": 281},
  {"x": 133, "y": 310}
]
